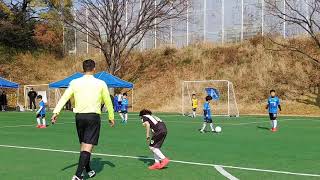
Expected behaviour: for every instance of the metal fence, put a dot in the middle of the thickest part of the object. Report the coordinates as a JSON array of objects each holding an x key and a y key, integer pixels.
[{"x": 217, "y": 21}]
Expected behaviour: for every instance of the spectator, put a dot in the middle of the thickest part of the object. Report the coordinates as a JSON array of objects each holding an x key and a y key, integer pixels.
[
  {"x": 1, "y": 100},
  {"x": 68, "y": 105},
  {"x": 115, "y": 103},
  {"x": 32, "y": 99},
  {"x": 4, "y": 101}
]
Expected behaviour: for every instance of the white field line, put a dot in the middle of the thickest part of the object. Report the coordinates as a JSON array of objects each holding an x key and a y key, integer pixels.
[
  {"x": 225, "y": 173},
  {"x": 184, "y": 122},
  {"x": 176, "y": 161}
]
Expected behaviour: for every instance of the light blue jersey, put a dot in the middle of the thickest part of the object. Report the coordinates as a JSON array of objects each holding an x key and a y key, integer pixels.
[
  {"x": 124, "y": 105},
  {"x": 42, "y": 106},
  {"x": 206, "y": 110},
  {"x": 273, "y": 103}
]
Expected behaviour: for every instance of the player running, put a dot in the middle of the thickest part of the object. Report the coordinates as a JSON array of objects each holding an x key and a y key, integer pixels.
[
  {"x": 207, "y": 115},
  {"x": 272, "y": 106},
  {"x": 124, "y": 108},
  {"x": 159, "y": 130},
  {"x": 41, "y": 113},
  {"x": 194, "y": 105}
]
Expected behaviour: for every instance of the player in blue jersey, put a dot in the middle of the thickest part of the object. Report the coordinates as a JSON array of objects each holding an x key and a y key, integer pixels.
[
  {"x": 115, "y": 103},
  {"x": 272, "y": 106},
  {"x": 124, "y": 108},
  {"x": 41, "y": 113},
  {"x": 207, "y": 115}
]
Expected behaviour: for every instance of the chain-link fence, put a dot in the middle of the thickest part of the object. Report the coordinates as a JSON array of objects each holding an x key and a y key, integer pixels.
[{"x": 217, "y": 21}]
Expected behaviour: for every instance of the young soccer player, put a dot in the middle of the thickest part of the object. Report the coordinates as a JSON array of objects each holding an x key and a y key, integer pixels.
[
  {"x": 272, "y": 106},
  {"x": 159, "y": 130},
  {"x": 124, "y": 108},
  {"x": 207, "y": 115},
  {"x": 115, "y": 103},
  {"x": 194, "y": 105},
  {"x": 41, "y": 113}
]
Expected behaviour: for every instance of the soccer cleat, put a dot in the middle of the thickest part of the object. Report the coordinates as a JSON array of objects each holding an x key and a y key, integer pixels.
[
  {"x": 201, "y": 131},
  {"x": 274, "y": 129},
  {"x": 91, "y": 174},
  {"x": 164, "y": 163},
  {"x": 155, "y": 166},
  {"x": 38, "y": 126},
  {"x": 43, "y": 126},
  {"x": 76, "y": 178}
]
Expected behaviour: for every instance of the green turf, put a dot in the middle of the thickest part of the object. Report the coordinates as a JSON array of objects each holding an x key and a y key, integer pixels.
[{"x": 244, "y": 142}]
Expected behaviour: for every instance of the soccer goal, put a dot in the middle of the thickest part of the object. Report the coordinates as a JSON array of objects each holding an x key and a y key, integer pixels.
[
  {"x": 41, "y": 89},
  {"x": 224, "y": 100}
]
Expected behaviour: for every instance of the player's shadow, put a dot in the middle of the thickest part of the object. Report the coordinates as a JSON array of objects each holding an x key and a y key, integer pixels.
[
  {"x": 146, "y": 160},
  {"x": 97, "y": 164},
  {"x": 263, "y": 127}
]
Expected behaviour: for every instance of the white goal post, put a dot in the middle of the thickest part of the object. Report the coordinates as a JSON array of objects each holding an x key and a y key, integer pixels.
[{"x": 226, "y": 105}]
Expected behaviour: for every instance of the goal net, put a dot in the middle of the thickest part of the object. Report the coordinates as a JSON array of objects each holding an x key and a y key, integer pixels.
[{"x": 224, "y": 100}]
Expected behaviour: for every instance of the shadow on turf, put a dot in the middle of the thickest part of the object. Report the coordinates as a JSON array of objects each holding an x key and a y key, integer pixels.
[
  {"x": 147, "y": 161},
  {"x": 96, "y": 164},
  {"x": 263, "y": 127},
  {"x": 144, "y": 159}
]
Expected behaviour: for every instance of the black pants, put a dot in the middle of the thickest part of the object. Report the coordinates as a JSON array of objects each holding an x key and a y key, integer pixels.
[{"x": 32, "y": 102}]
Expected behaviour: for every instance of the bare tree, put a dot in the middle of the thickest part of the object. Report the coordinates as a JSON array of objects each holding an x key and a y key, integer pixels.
[
  {"x": 118, "y": 26},
  {"x": 303, "y": 14}
]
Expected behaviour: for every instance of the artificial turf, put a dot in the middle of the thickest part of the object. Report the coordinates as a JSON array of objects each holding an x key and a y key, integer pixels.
[{"x": 244, "y": 142}]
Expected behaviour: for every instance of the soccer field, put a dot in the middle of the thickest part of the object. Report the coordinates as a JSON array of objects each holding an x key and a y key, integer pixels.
[{"x": 245, "y": 149}]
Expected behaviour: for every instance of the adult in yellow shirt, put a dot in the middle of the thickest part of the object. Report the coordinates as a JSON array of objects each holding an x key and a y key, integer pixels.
[
  {"x": 194, "y": 105},
  {"x": 89, "y": 93}
]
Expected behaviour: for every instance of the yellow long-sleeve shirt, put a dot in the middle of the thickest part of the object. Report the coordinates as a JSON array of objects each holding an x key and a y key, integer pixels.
[{"x": 88, "y": 93}]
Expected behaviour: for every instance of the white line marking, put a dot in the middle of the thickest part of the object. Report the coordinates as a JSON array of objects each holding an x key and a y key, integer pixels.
[
  {"x": 225, "y": 173},
  {"x": 31, "y": 125},
  {"x": 184, "y": 122},
  {"x": 176, "y": 161}
]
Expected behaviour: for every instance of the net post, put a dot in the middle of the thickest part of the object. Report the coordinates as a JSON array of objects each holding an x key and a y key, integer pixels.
[
  {"x": 132, "y": 99},
  {"x": 235, "y": 101},
  {"x": 182, "y": 99},
  {"x": 228, "y": 98},
  {"x": 25, "y": 97}
]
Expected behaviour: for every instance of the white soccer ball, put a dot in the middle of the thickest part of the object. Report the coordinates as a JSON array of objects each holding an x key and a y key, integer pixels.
[{"x": 218, "y": 129}]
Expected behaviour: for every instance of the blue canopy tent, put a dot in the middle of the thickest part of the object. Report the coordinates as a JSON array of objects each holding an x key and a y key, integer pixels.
[
  {"x": 64, "y": 83},
  {"x": 110, "y": 80},
  {"x": 113, "y": 81},
  {"x": 8, "y": 84}
]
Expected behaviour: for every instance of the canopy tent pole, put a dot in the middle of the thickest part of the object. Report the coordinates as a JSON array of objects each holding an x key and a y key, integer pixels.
[
  {"x": 132, "y": 99},
  {"x": 25, "y": 97},
  {"x": 17, "y": 96}
]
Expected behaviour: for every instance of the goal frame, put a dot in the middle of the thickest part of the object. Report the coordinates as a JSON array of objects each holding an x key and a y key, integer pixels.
[{"x": 229, "y": 84}]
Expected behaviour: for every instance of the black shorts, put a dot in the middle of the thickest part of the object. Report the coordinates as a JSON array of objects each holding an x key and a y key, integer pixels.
[
  {"x": 88, "y": 127},
  {"x": 207, "y": 120},
  {"x": 273, "y": 116},
  {"x": 41, "y": 115},
  {"x": 194, "y": 109},
  {"x": 124, "y": 112},
  {"x": 158, "y": 139}
]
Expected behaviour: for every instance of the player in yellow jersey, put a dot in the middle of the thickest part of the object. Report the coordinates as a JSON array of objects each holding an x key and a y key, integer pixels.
[{"x": 194, "y": 105}]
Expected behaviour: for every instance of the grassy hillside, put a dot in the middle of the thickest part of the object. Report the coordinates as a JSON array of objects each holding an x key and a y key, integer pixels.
[{"x": 158, "y": 74}]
